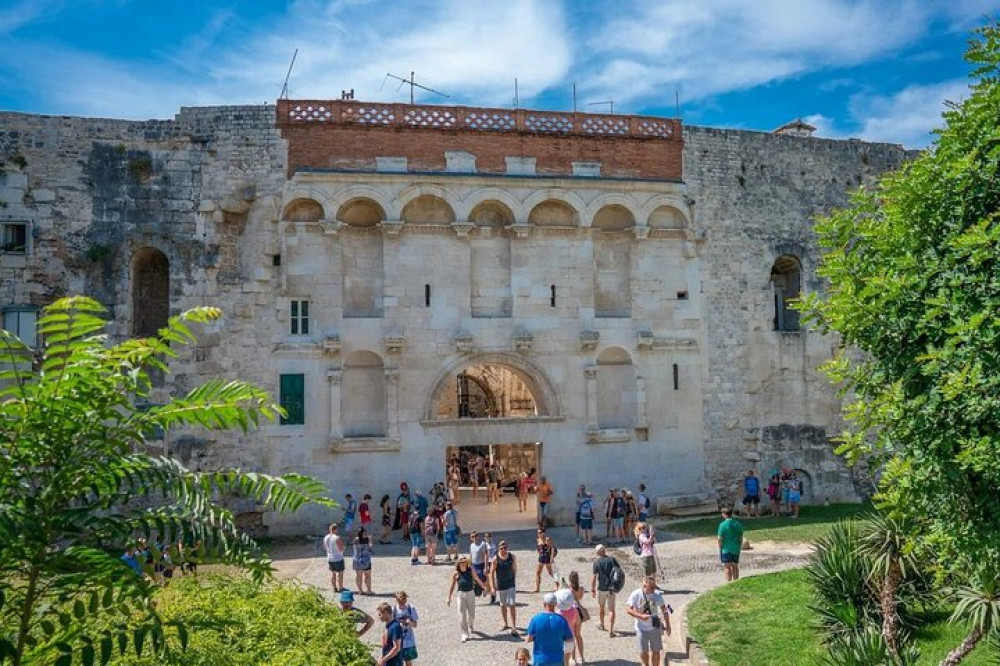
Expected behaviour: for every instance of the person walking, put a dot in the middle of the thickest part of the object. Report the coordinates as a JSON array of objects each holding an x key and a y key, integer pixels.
[
  {"x": 522, "y": 492},
  {"x": 473, "y": 476},
  {"x": 392, "y": 638},
  {"x": 432, "y": 525},
  {"x": 544, "y": 492},
  {"x": 491, "y": 552},
  {"x": 547, "y": 551},
  {"x": 647, "y": 548},
  {"x": 492, "y": 484},
  {"x": 334, "y": 547},
  {"x": 404, "y": 501},
  {"x": 408, "y": 617},
  {"x": 454, "y": 478},
  {"x": 467, "y": 581},
  {"x": 730, "y": 537},
  {"x": 581, "y": 493},
  {"x": 617, "y": 516},
  {"x": 602, "y": 587},
  {"x": 350, "y": 512},
  {"x": 503, "y": 581},
  {"x": 643, "y": 502},
  {"x": 362, "y": 561},
  {"x": 606, "y": 507},
  {"x": 774, "y": 492},
  {"x": 568, "y": 604},
  {"x": 450, "y": 522},
  {"x": 548, "y": 632},
  {"x": 416, "y": 529},
  {"x": 365, "y": 512},
  {"x": 645, "y": 604},
  {"x": 479, "y": 554},
  {"x": 794, "y": 494},
  {"x": 386, "y": 506},
  {"x": 354, "y": 615}
]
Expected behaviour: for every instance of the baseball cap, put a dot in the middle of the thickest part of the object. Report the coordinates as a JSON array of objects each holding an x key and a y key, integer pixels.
[
  {"x": 346, "y": 596},
  {"x": 549, "y": 599}
]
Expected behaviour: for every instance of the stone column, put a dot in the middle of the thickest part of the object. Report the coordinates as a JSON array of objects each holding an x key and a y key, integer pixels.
[
  {"x": 640, "y": 403},
  {"x": 392, "y": 403},
  {"x": 590, "y": 380},
  {"x": 333, "y": 376}
]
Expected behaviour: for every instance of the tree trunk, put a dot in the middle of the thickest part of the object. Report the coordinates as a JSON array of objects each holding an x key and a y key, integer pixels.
[
  {"x": 964, "y": 648},
  {"x": 890, "y": 616}
]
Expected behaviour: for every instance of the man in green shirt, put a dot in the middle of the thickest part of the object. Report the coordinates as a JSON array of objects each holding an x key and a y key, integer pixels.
[{"x": 730, "y": 542}]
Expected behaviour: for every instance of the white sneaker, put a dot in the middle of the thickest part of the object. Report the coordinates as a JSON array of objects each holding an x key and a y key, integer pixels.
[{"x": 465, "y": 637}]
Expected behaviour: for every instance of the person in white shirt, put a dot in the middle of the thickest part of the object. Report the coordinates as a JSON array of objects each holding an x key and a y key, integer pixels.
[
  {"x": 645, "y": 605},
  {"x": 334, "y": 548}
]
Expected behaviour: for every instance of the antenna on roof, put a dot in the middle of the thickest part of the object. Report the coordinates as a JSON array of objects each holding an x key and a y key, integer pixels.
[
  {"x": 413, "y": 84},
  {"x": 609, "y": 102},
  {"x": 517, "y": 99},
  {"x": 284, "y": 88}
]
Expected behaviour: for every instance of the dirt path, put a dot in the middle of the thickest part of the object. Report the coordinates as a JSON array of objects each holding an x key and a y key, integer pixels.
[{"x": 691, "y": 566}]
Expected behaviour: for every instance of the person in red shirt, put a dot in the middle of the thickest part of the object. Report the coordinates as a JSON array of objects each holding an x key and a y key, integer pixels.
[{"x": 365, "y": 512}]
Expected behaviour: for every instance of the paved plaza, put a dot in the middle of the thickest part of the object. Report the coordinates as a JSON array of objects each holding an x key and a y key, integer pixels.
[{"x": 690, "y": 565}]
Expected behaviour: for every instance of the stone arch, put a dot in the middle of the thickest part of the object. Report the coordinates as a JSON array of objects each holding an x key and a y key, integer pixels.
[
  {"x": 363, "y": 395},
  {"x": 346, "y": 194},
  {"x": 464, "y": 209},
  {"x": 610, "y": 200},
  {"x": 427, "y": 209},
  {"x": 665, "y": 212},
  {"x": 150, "y": 291},
  {"x": 571, "y": 199},
  {"x": 303, "y": 209},
  {"x": 407, "y": 195},
  {"x": 786, "y": 284},
  {"x": 544, "y": 394},
  {"x": 613, "y": 217},
  {"x": 491, "y": 213},
  {"x": 616, "y": 389},
  {"x": 554, "y": 213},
  {"x": 362, "y": 212}
]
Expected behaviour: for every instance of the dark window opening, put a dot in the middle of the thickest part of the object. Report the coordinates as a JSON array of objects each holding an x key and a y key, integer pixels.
[
  {"x": 427, "y": 295},
  {"x": 677, "y": 377},
  {"x": 276, "y": 260},
  {"x": 14, "y": 238},
  {"x": 150, "y": 292},
  {"x": 22, "y": 322},
  {"x": 292, "y": 399},
  {"x": 552, "y": 296},
  {"x": 300, "y": 318},
  {"x": 786, "y": 283},
  {"x": 682, "y": 295}
]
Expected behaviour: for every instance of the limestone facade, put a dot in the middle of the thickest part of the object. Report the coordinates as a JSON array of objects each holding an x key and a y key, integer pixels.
[{"x": 632, "y": 312}]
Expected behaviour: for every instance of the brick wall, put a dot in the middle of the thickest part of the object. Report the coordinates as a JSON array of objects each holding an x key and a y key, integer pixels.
[{"x": 341, "y": 139}]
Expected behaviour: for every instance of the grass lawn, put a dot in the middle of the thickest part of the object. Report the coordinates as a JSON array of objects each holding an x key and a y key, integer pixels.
[
  {"x": 766, "y": 620},
  {"x": 812, "y": 523}
]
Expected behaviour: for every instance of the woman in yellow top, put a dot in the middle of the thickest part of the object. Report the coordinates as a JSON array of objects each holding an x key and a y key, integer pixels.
[{"x": 545, "y": 492}]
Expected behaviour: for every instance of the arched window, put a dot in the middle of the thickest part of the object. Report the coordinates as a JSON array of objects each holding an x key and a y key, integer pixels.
[
  {"x": 490, "y": 260},
  {"x": 553, "y": 213},
  {"x": 613, "y": 262},
  {"x": 362, "y": 410},
  {"x": 361, "y": 258},
  {"x": 486, "y": 390},
  {"x": 786, "y": 283},
  {"x": 150, "y": 292},
  {"x": 303, "y": 210},
  {"x": 616, "y": 406},
  {"x": 666, "y": 217}
]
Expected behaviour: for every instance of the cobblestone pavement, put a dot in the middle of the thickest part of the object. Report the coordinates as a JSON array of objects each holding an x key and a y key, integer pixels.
[{"x": 690, "y": 564}]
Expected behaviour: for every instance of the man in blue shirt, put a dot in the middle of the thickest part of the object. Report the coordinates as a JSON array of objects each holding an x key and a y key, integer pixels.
[
  {"x": 132, "y": 561},
  {"x": 547, "y": 632},
  {"x": 751, "y": 494},
  {"x": 392, "y": 638}
]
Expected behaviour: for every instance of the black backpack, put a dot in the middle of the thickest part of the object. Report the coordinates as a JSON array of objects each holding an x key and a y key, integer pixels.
[
  {"x": 617, "y": 576},
  {"x": 637, "y": 547}
]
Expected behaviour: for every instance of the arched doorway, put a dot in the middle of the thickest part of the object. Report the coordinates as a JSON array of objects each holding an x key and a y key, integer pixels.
[{"x": 150, "y": 292}]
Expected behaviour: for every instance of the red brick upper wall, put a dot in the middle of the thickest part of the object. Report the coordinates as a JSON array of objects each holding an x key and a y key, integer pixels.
[{"x": 349, "y": 135}]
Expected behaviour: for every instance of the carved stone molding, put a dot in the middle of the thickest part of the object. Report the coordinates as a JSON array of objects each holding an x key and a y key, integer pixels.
[
  {"x": 394, "y": 343},
  {"x": 462, "y": 229},
  {"x": 589, "y": 340},
  {"x": 641, "y": 232},
  {"x": 644, "y": 340},
  {"x": 608, "y": 435},
  {"x": 523, "y": 342},
  {"x": 521, "y": 229},
  {"x": 364, "y": 445},
  {"x": 331, "y": 227},
  {"x": 463, "y": 342},
  {"x": 590, "y": 372},
  {"x": 334, "y": 375},
  {"x": 331, "y": 344},
  {"x": 391, "y": 227}
]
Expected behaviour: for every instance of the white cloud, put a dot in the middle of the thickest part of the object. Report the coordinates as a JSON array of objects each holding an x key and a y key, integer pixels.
[{"x": 907, "y": 116}]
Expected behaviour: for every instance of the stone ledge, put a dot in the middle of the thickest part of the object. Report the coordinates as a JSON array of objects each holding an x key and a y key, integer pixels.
[
  {"x": 364, "y": 445},
  {"x": 609, "y": 435},
  {"x": 436, "y": 423},
  {"x": 692, "y": 504}
]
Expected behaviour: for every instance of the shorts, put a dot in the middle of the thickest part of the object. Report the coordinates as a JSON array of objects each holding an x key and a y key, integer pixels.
[
  {"x": 649, "y": 565},
  {"x": 577, "y": 517},
  {"x": 729, "y": 558},
  {"x": 348, "y": 524},
  {"x": 386, "y": 521},
  {"x": 618, "y": 523},
  {"x": 794, "y": 497},
  {"x": 571, "y": 616},
  {"x": 417, "y": 539},
  {"x": 650, "y": 641},
  {"x": 408, "y": 654},
  {"x": 451, "y": 537},
  {"x": 751, "y": 499},
  {"x": 336, "y": 567},
  {"x": 507, "y": 597},
  {"x": 606, "y": 599},
  {"x": 568, "y": 647},
  {"x": 586, "y": 523}
]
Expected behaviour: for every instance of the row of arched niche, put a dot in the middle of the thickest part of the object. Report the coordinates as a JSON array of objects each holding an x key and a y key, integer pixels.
[{"x": 497, "y": 210}]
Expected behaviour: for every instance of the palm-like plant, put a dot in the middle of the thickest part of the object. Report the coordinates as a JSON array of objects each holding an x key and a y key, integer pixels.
[
  {"x": 75, "y": 482},
  {"x": 979, "y": 607}
]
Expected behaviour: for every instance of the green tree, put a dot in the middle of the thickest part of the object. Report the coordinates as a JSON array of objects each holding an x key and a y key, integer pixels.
[
  {"x": 913, "y": 267},
  {"x": 76, "y": 484}
]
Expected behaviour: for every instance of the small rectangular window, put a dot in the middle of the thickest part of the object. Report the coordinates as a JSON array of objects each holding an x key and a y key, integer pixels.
[
  {"x": 292, "y": 391},
  {"x": 300, "y": 318},
  {"x": 677, "y": 377},
  {"x": 552, "y": 296},
  {"x": 14, "y": 238},
  {"x": 682, "y": 295},
  {"x": 22, "y": 322},
  {"x": 276, "y": 260},
  {"x": 427, "y": 295}
]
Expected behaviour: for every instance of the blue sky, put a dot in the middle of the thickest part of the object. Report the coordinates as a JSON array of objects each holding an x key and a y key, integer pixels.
[{"x": 874, "y": 69}]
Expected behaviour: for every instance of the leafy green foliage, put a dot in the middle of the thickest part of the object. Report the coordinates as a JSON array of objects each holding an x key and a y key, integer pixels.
[
  {"x": 234, "y": 621},
  {"x": 914, "y": 285},
  {"x": 76, "y": 482}
]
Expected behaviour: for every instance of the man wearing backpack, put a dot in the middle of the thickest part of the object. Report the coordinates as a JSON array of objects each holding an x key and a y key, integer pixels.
[
  {"x": 587, "y": 517},
  {"x": 607, "y": 581},
  {"x": 644, "y": 504}
]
